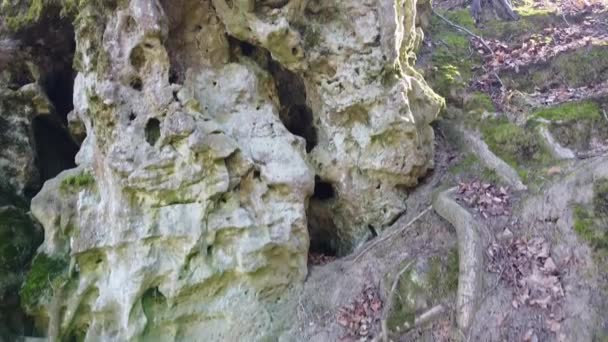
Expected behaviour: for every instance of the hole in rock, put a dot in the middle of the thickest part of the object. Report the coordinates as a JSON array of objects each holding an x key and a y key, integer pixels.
[
  {"x": 323, "y": 190},
  {"x": 372, "y": 230},
  {"x": 55, "y": 149},
  {"x": 136, "y": 84},
  {"x": 152, "y": 131},
  {"x": 137, "y": 58},
  {"x": 132, "y": 116}
]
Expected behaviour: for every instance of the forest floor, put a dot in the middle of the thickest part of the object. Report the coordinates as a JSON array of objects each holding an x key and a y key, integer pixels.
[{"x": 522, "y": 144}]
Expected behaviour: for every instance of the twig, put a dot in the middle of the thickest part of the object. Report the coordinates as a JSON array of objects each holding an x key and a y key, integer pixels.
[
  {"x": 564, "y": 17},
  {"x": 391, "y": 234},
  {"x": 465, "y": 30},
  {"x": 605, "y": 116}
]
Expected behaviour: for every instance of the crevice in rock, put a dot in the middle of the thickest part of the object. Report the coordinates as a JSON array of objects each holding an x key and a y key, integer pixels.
[
  {"x": 55, "y": 149},
  {"x": 294, "y": 112}
]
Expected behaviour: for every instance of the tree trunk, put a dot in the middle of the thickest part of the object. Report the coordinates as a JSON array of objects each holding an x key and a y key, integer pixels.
[{"x": 502, "y": 9}]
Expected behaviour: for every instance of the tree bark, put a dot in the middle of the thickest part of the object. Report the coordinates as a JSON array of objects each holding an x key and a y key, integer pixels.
[{"x": 502, "y": 9}]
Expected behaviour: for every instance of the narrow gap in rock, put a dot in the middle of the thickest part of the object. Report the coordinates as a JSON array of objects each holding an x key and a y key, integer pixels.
[
  {"x": 294, "y": 112},
  {"x": 55, "y": 149},
  {"x": 152, "y": 131},
  {"x": 137, "y": 84}
]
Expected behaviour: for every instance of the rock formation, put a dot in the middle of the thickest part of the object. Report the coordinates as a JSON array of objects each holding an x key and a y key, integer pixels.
[{"x": 216, "y": 130}]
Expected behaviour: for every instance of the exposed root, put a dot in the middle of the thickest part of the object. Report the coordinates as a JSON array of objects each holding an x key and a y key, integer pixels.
[{"x": 470, "y": 257}]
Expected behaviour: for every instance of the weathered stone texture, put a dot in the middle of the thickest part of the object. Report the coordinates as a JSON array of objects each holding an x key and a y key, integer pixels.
[{"x": 186, "y": 217}]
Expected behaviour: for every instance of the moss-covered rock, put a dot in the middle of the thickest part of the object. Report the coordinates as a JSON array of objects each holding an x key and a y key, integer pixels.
[
  {"x": 46, "y": 274},
  {"x": 574, "y": 124},
  {"x": 591, "y": 221},
  {"x": 514, "y": 144},
  {"x": 449, "y": 70},
  {"x": 81, "y": 180},
  {"x": 600, "y": 197},
  {"x": 19, "y": 238}
]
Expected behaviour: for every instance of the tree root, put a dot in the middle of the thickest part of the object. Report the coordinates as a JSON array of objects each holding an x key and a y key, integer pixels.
[{"x": 470, "y": 257}]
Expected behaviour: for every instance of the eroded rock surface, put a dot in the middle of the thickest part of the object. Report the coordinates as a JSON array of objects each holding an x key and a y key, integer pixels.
[{"x": 186, "y": 216}]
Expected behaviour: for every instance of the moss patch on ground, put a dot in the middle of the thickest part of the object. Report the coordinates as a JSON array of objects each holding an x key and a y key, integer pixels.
[
  {"x": 570, "y": 68},
  {"x": 514, "y": 144},
  {"x": 574, "y": 124},
  {"x": 423, "y": 289},
  {"x": 591, "y": 222},
  {"x": 585, "y": 110}
]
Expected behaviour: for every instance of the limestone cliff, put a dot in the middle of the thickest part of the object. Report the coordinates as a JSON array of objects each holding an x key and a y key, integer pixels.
[{"x": 216, "y": 133}]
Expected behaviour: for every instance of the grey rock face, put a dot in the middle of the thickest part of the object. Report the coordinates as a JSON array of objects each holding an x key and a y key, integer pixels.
[{"x": 186, "y": 217}]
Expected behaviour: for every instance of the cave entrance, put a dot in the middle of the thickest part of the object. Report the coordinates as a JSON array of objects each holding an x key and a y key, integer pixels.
[
  {"x": 321, "y": 227},
  {"x": 55, "y": 148}
]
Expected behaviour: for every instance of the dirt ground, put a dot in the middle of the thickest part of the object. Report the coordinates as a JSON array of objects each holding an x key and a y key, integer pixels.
[{"x": 544, "y": 275}]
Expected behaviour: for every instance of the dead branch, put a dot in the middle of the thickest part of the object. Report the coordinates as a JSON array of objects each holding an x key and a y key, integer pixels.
[
  {"x": 390, "y": 234},
  {"x": 465, "y": 30},
  {"x": 389, "y": 300}
]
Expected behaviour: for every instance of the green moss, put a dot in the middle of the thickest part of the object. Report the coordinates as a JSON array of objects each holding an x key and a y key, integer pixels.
[
  {"x": 585, "y": 110},
  {"x": 591, "y": 227},
  {"x": 466, "y": 164},
  {"x": 45, "y": 274},
  {"x": 18, "y": 238},
  {"x": 479, "y": 102},
  {"x": 490, "y": 176},
  {"x": 415, "y": 290},
  {"x": 573, "y": 68},
  {"x": 461, "y": 17},
  {"x": 312, "y": 37},
  {"x": 512, "y": 143},
  {"x": 600, "y": 197},
  {"x": 22, "y": 13},
  {"x": 451, "y": 62},
  {"x": 81, "y": 180},
  {"x": 443, "y": 274}
]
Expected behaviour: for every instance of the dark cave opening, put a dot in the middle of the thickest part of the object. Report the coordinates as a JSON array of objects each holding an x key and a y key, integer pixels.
[
  {"x": 59, "y": 87},
  {"x": 321, "y": 227},
  {"x": 55, "y": 148},
  {"x": 323, "y": 190},
  {"x": 152, "y": 131}
]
